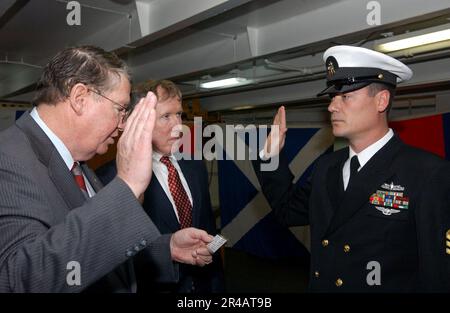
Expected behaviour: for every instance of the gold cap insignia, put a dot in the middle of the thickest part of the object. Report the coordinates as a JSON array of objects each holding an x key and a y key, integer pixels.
[{"x": 330, "y": 69}]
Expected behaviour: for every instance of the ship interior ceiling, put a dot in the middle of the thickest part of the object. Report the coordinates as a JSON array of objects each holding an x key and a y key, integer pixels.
[{"x": 276, "y": 46}]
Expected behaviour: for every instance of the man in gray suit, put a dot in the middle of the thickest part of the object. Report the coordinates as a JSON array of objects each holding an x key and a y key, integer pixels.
[{"x": 60, "y": 229}]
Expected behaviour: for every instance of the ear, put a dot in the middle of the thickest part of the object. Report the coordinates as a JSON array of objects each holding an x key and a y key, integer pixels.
[
  {"x": 78, "y": 98},
  {"x": 382, "y": 99}
]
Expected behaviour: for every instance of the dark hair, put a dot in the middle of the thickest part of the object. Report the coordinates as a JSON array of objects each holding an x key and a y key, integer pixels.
[
  {"x": 85, "y": 64},
  {"x": 375, "y": 88}
]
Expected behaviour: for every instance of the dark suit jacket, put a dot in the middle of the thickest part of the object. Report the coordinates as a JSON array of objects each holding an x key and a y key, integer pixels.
[
  {"x": 348, "y": 232},
  {"x": 45, "y": 222},
  {"x": 159, "y": 208}
]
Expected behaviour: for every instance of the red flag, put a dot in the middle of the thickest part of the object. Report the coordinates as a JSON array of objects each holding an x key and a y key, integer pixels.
[{"x": 426, "y": 133}]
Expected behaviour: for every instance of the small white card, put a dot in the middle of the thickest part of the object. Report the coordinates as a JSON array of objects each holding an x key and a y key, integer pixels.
[{"x": 217, "y": 242}]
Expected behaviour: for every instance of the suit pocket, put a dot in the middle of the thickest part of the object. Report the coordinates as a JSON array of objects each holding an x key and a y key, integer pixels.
[{"x": 395, "y": 226}]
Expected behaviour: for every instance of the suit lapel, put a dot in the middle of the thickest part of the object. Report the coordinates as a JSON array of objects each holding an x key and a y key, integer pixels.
[
  {"x": 49, "y": 156},
  {"x": 92, "y": 178},
  {"x": 335, "y": 185},
  {"x": 64, "y": 181},
  {"x": 156, "y": 195},
  {"x": 369, "y": 178}
]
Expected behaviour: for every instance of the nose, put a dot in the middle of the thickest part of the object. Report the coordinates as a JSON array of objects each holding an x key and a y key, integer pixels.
[
  {"x": 334, "y": 104},
  {"x": 175, "y": 126},
  {"x": 174, "y": 121}
]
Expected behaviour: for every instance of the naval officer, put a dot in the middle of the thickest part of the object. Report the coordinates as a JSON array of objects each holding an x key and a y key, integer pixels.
[{"x": 379, "y": 209}]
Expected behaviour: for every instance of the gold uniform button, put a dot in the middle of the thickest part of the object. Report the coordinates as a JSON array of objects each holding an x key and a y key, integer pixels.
[
  {"x": 325, "y": 242},
  {"x": 339, "y": 282},
  {"x": 317, "y": 274},
  {"x": 447, "y": 235},
  {"x": 346, "y": 248}
]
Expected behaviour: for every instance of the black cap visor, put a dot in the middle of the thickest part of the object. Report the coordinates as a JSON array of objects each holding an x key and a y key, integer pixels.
[{"x": 336, "y": 88}]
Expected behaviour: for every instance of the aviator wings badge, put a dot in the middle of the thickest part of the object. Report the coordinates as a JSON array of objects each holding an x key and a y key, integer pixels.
[{"x": 386, "y": 211}]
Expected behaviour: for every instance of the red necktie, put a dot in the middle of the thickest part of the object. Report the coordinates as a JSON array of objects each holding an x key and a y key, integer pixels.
[
  {"x": 179, "y": 195},
  {"x": 79, "y": 179}
]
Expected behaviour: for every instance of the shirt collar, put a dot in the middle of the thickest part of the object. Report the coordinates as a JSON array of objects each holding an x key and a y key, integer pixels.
[
  {"x": 365, "y": 155},
  {"x": 157, "y": 156},
  {"x": 58, "y": 143}
]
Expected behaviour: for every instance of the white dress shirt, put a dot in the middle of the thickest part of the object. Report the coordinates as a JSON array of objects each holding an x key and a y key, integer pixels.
[
  {"x": 364, "y": 156},
  {"x": 162, "y": 174},
  {"x": 60, "y": 147}
]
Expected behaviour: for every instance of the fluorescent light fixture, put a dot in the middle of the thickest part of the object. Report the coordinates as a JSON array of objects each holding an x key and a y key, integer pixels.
[
  {"x": 415, "y": 41},
  {"x": 425, "y": 40},
  {"x": 244, "y": 107},
  {"x": 226, "y": 83}
]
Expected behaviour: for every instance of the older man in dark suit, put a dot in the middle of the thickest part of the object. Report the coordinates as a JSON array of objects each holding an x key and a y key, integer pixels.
[
  {"x": 177, "y": 197},
  {"x": 378, "y": 210},
  {"x": 60, "y": 231}
]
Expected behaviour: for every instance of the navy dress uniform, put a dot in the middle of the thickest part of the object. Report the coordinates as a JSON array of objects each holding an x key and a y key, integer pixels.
[{"x": 388, "y": 229}]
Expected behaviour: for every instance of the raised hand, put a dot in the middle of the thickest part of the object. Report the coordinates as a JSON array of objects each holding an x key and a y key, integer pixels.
[
  {"x": 275, "y": 140},
  {"x": 134, "y": 148}
]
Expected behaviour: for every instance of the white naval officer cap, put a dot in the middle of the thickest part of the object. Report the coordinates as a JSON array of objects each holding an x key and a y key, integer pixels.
[{"x": 350, "y": 68}]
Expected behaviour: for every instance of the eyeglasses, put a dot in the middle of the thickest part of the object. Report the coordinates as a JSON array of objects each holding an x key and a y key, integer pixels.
[{"x": 123, "y": 110}]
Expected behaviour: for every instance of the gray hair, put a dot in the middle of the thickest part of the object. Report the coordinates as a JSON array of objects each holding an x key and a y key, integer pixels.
[{"x": 88, "y": 65}]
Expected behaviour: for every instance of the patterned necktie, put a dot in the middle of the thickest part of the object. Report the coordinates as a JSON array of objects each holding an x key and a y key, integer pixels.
[
  {"x": 79, "y": 179},
  {"x": 179, "y": 195},
  {"x": 354, "y": 165}
]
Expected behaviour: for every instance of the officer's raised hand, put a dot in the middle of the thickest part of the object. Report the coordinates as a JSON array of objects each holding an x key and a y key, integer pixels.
[{"x": 275, "y": 140}]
